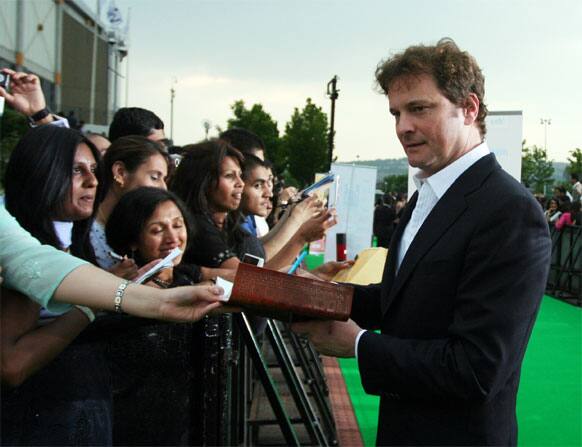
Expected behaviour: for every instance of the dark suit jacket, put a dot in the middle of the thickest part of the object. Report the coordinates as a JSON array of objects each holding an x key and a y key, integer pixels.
[{"x": 456, "y": 319}]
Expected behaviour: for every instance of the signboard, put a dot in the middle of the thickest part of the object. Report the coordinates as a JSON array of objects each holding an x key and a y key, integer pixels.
[{"x": 355, "y": 208}]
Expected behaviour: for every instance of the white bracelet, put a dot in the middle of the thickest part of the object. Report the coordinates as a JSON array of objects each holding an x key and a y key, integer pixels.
[
  {"x": 88, "y": 312},
  {"x": 118, "y": 298}
]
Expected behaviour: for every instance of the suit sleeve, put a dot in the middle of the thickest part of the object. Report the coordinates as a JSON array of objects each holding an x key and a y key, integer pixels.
[
  {"x": 499, "y": 290},
  {"x": 366, "y": 309}
]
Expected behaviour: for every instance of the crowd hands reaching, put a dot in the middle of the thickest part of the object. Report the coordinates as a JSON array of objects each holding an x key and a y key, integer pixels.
[{"x": 124, "y": 203}]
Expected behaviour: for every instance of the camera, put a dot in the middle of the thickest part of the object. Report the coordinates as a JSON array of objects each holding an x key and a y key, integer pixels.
[{"x": 4, "y": 80}]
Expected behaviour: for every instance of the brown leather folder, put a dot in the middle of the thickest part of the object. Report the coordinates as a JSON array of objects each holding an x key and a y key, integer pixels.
[{"x": 288, "y": 297}]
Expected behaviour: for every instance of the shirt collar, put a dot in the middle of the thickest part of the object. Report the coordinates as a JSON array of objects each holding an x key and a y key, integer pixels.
[{"x": 441, "y": 181}]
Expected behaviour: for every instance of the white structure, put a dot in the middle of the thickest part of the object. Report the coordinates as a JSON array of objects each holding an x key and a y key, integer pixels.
[
  {"x": 355, "y": 209},
  {"x": 70, "y": 49}
]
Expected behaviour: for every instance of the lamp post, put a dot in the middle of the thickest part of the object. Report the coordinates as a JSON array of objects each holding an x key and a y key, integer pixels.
[
  {"x": 207, "y": 124},
  {"x": 172, "y": 96},
  {"x": 546, "y": 122},
  {"x": 333, "y": 94}
]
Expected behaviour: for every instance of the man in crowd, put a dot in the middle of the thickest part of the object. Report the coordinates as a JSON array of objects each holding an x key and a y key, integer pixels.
[
  {"x": 136, "y": 121},
  {"x": 467, "y": 269},
  {"x": 576, "y": 187},
  {"x": 384, "y": 216}
]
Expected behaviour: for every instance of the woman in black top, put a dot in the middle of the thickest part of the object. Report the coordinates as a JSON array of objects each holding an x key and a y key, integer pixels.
[
  {"x": 152, "y": 362},
  {"x": 209, "y": 181}
]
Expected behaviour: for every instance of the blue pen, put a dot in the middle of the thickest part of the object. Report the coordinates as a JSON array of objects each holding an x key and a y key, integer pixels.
[{"x": 298, "y": 261}]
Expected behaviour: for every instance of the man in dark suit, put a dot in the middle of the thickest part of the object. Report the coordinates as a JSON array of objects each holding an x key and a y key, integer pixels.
[
  {"x": 467, "y": 268},
  {"x": 384, "y": 216}
]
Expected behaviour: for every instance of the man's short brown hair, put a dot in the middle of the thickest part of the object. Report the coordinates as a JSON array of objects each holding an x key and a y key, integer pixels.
[{"x": 455, "y": 72}]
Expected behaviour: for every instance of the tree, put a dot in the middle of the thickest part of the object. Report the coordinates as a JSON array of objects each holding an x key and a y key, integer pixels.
[
  {"x": 575, "y": 160},
  {"x": 305, "y": 142},
  {"x": 536, "y": 169},
  {"x": 260, "y": 122},
  {"x": 395, "y": 183}
]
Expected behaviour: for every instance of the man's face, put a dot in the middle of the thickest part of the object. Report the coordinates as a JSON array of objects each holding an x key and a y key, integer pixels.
[
  {"x": 257, "y": 192},
  {"x": 432, "y": 130}
]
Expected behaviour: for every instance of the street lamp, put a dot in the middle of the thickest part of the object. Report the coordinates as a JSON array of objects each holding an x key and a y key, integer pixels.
[
  {"x": 333, "y": 94},
  {"x": 546, "y": 122},
  {"x": 172, "y": 96},
  {"x": 207, "y": 124}
]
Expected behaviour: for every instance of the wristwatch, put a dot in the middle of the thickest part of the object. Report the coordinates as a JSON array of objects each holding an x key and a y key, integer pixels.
[{"x": 40, "y": 115}]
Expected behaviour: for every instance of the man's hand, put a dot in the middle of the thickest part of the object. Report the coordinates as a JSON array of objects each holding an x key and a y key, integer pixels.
[
  {"x": 26, "y": 94},
  {"x": 335, "y": 338},
  {"x": 328, "y": 270},
  {"x": 315, "y": 228},
  {"x": 306, "y": 209},
  {"x": 286, "y": 194}
]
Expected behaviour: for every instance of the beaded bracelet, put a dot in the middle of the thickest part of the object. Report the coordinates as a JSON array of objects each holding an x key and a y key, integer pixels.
[{"x": 118, "y": 298}]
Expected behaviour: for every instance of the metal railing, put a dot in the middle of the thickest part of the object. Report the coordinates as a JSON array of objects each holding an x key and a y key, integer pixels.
[{"x": 565, "y": 278}]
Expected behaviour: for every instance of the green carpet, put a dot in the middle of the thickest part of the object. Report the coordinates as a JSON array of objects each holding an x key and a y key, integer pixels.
[{"x": 549, "y": 405}]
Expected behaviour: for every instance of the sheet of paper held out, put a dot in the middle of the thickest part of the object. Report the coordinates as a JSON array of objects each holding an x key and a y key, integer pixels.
[
  {"x": 226, "y": 286},
  {"x": 163, "y": 264}
]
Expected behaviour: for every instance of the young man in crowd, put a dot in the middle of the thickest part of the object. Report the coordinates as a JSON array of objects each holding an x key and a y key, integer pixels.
[
  {"x": 136, "y": 121},
  {"x": 257, "y": 192}
]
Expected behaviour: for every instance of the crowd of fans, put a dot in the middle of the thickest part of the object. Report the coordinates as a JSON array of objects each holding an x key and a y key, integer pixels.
[
  {"x": 564, "y": 207},
  {"x": 123, "y": 203}
]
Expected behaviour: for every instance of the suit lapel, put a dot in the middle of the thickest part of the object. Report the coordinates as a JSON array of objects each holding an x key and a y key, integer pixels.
[
  {"x": 390, "y": 268},
  {"x": 445, "y": 213}
]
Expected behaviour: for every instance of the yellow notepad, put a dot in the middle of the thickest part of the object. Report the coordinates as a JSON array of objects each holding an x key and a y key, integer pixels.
[{"x": 368, "y": 268}]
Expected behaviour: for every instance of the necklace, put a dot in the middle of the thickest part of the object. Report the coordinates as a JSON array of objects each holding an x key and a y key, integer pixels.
[{"x": 163, "y": 284}]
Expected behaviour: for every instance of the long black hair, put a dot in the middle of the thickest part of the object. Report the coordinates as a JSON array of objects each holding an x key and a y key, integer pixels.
[
  {"x": 198, "y": 175},
  {"x": 38, "y": 183},
  {"x": 128, "y": 218}
]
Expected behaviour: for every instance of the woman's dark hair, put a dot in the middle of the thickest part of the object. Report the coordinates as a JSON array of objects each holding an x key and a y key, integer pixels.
[
  {"x": 38, "y": 183},
  {"x": 132, "y": 151},
  {"x": 198, "y": 174},
  {"x": 131, "y": 213}
]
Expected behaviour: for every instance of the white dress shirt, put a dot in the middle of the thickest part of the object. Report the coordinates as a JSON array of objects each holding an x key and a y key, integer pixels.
[{"x": 430, "y": 191}]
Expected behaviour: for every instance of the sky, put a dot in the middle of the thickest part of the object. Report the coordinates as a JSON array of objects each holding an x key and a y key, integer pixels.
[{"x": 278, "y": 53}]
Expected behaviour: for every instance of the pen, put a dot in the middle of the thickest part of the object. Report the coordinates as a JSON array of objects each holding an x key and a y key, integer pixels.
[
  {"x": 116, "y": 256},
  {"x": 298, "y": 261}
]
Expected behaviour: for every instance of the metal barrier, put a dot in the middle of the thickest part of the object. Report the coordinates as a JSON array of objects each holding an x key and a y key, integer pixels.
[{"x": 565, "y": 278}]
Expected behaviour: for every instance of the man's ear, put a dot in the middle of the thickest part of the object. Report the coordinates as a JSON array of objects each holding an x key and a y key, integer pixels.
[{"x": 471, "y": 109}]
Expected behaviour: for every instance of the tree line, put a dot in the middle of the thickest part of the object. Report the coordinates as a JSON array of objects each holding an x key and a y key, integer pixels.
[
  {"x": 297, "y": 154},
  {"x": 537, "y": 171}
]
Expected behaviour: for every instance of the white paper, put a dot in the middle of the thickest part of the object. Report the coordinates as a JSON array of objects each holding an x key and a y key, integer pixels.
[
  {"x": 226, "y": 286},
  {"x": 163, "y": 264}
]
